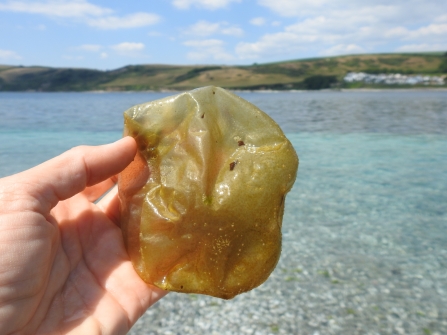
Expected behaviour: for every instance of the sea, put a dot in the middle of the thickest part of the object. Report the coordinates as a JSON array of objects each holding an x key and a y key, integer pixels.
[{"x": 365, "y": 225}]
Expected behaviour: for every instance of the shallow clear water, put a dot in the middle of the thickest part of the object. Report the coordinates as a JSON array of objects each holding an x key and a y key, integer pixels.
[
  {"x": 37, "y": 126},
  {"x": 368, "y": 211}
]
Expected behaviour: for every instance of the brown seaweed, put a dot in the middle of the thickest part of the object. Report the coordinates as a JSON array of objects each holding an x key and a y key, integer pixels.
[{"x": 199, "y": 214}]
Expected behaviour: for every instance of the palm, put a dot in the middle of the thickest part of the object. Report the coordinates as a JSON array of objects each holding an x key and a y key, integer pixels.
[{"x": 74, "y": 274}]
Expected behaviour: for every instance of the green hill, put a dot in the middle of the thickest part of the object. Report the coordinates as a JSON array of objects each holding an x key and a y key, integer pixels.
[{"x": 312, "y": 73}]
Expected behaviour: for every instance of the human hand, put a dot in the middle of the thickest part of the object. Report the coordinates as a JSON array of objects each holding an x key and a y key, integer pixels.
[{"x": 63, "y": 265}]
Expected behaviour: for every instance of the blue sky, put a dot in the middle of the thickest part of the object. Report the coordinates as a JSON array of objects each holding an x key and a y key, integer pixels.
[{"x": 111, "y": 34}]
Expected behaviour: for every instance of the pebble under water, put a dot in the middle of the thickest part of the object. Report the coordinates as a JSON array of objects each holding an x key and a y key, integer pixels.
[{"x": 365, "y": 226}]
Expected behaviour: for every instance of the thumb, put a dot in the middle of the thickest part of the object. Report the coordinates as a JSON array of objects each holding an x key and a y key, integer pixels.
[{"x": 70, "y": 173}]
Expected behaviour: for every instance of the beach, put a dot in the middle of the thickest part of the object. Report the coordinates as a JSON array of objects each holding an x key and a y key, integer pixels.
[
  {"x": 365, "y": 226},
  {"x": 353, "y": 262}
]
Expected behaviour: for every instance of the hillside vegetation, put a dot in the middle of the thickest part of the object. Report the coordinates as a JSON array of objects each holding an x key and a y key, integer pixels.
[{"x": 314, "y": 73}]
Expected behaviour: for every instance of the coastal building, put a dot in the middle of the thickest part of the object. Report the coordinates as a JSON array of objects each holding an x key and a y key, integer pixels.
[{"x": 394, "y": 79}]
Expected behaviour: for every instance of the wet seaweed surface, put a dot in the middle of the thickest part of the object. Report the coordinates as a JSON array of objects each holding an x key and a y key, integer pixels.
[{"x": 365, "y": 226}]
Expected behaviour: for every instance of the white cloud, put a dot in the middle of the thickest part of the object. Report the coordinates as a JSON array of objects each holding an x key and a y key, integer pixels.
[
  {"x": 128, "y": 48},
  {"x": 403, "y": 11},
  {"x": 257, "y": 21},
  {"x": 331, "y": 27},
  {"x": 305, "y": 8},
  {"x": 232, "y": 31},
  {"x": 80, "y": 51},
  {"x": 129, "y": 21},
  {"x": 396, "y": 32},
  {"x": 62, "y": 8},
  {"x": 83, "y": 11},
  {"x": 207, "y": 4},
  {"x": 343, "y": 49},
  {"x": 433, "y": 32},
  {"x": 208, "y": 49},
  {"x": 421, "y": 47},
  {"x": 442, "y": 18},
  {"x": 291, "y": 7},
  {"x": 282, "y": 43},
  {"x": 429, "y": 31},
  {"x": 9, "y": 55},
  {"x": 319, "y": 34},
  {"x": 205, "y": 28}
]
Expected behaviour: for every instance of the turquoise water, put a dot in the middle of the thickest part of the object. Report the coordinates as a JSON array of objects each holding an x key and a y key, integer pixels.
[
  {"x": 384, "y": 186},
  {"x": 369, "y": 208},
  {"x": 379, "y": 157}
]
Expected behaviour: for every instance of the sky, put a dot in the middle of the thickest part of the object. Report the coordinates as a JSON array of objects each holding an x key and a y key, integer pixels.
[{"x": 111, "y": 34}]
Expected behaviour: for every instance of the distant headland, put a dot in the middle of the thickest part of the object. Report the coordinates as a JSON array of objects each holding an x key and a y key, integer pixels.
[{"x": 409, "y": 70}]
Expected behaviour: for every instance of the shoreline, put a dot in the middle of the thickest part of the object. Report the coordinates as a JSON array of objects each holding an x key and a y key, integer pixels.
[
  {"x": 422, "y": 89},
  {"x": 380, "y": 71}
]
